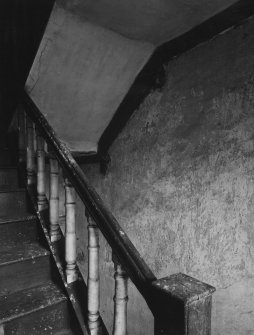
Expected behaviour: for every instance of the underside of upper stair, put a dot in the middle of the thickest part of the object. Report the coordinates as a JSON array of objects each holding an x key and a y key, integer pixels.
[{"x": 91, "y": 53}]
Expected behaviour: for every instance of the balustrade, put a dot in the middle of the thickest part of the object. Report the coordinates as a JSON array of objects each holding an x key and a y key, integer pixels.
[{"x": 181, "y": 305}]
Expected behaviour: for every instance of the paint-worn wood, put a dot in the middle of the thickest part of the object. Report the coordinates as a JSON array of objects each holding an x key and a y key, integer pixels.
[
  {"x": 54, "y": 200},
  {"x": 138, "y": 271},
  {"x": 182, "y": 306},
  {"x": 39, "y": 310},
  {"x": 30, "y": 153},
  {"x": 9, "y": 219},
  {"x": 120, "y": 299},
  {"x": 20, "y": 231},
  {"x": 8, "y": 177},
  {"x": 76, "y": 291},
  {"x": 13, "y": 203},
  {"x": 6, "y": 158},
  {"x": 22, "y": 268},
  {"x": 29, "y": 300},
  {"x": 70, "y": 234},
  {"x": 41, "y": 173},
  {"x": 22, "y": 135},
  {"x": 93, "y": 280},
  {"x": 172, "y": 315}
]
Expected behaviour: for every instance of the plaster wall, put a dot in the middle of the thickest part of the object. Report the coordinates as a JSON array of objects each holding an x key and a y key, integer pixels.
[
  {"x": 155, "y": 21},
  {"x": 181, "y": 182},
  {"x": 80, "y": 75}
]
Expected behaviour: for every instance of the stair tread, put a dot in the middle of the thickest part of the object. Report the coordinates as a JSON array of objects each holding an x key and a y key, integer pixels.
[
  {"x": 11, "y": 252},
  {"x": 13, "y": 190},
  {"x": 65, "y": 332},
  {"x": 29, "y": 300},
  {"x": 18, "y": 218},
  {"x": 8, "y": 167}
]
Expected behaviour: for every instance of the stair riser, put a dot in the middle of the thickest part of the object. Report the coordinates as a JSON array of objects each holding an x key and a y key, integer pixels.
[
  {"x": 13, "y": 203},
  {"x": 24, "y": 274},
  {"x": 46, "y": 321},
  {"x": 26, "y": 231},
  {"x": 6, "y": 158},
  {"x": 8, "y": 178}
]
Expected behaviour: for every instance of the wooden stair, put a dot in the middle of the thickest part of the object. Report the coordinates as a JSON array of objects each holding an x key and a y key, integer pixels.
[{"x": 32, "y": 297}]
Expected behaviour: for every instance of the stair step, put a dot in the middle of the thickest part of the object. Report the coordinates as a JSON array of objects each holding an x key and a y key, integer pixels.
[
  {"x": 40, "y": 310},
  {"x": 66, "y": 332},
  {"x": 13, "y": 203},
  {"x": 12, "y": 252},
  {"x": 23, "y": 265},
  {"x": 11, "y": 219},
  {"x": 30, "y": 300},
  {"x": 18, "y": 231},
  {"x": 8, "y": 177}
]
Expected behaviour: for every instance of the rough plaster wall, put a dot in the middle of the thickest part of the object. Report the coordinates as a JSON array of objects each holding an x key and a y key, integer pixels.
[
  {"x": 80, "y": 75},
  {"x": 181, "y": 181}
]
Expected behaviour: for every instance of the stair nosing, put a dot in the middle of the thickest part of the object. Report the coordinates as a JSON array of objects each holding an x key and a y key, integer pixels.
[
  {"x": 18, "y": 219},
  {"x": 44, "y": 253},
  {"x": 8, "y": 167},
  {"x": 24, "y": 259},
  {"x": 2, "y": 321},
  {"x": 17, "y": 189},
  {"x": 41, "y": 307}
]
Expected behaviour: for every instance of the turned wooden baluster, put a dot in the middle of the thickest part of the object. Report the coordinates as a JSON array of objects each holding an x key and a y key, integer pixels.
[
  {"x": 41, "y": 174},
  {"x": 54, "y": 200},
  {"x": 22, "y": 135},
  {"x": 70, "y": 234},
  {"x": 30, "y": 154},
  {"x": 120, "y": 299},
  {"x": 93, "y": 277}
]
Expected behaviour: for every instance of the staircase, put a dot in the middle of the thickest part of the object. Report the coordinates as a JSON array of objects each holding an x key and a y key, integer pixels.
[
  {"x": 32, "y": 298},
  {"x": 42, "y": 290}
]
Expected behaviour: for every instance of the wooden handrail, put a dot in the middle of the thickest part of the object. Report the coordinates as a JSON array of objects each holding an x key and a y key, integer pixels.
[{"x": 122, "y": 247}]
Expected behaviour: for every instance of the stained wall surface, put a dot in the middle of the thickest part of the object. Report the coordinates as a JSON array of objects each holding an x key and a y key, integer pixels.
[{"x": 181, "y": 181}]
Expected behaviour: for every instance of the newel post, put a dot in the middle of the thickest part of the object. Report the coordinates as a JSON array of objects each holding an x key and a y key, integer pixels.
[{"x": 182, "y": 306}]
